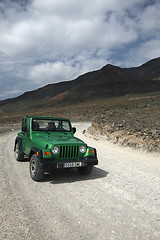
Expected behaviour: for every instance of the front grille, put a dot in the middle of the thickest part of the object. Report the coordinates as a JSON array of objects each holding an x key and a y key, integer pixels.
[{"x": 69, "y": 152}]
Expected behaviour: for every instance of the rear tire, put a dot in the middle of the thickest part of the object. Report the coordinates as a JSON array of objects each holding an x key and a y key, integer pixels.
[
  {"x": 19, "y": 155},
  {"x": 85, "y": 170},
  {"x": 36, "y": 172}
]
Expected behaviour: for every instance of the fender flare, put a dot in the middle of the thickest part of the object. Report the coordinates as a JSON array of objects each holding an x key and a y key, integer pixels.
[
  {"x": 35, "y": 150},
  {"x": 19, "y": 141}
]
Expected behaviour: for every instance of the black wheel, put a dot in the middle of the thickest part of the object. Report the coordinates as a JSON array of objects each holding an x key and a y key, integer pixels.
[
  {"x": 19, "y": 155},
  {"x": 85, "y": 170},
  {"x": 36, "y": 172}
]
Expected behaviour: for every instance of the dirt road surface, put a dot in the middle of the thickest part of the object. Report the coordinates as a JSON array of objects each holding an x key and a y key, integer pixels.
[{"x": 119, "y": 201}]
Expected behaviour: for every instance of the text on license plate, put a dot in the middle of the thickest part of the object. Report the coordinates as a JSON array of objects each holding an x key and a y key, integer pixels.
[{"x": 72, "y": 164}]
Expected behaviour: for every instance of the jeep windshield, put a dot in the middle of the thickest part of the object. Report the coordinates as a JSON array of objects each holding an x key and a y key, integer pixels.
[{"x": 55, "y": 125}]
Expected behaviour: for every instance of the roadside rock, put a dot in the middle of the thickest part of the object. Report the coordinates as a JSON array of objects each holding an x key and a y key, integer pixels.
[{"x": 140, "y": 130}]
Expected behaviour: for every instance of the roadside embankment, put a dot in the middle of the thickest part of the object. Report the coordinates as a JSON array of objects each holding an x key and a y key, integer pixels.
[{"x": 138, "y": 129}]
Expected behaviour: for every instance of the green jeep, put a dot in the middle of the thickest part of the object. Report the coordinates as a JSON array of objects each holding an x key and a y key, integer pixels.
[{"x": 49, "y": 143}]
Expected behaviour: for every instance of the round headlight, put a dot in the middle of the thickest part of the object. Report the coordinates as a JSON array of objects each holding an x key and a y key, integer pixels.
[
  {"x": 55, "y": 150},
  {"x": 82, "y": 149}
]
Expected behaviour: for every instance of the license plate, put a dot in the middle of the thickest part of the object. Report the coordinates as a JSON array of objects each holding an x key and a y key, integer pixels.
[{"x": 72, "y": 164}]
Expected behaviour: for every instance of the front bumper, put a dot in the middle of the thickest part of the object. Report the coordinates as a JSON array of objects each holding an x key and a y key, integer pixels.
[{"x": 50, "y": 164}]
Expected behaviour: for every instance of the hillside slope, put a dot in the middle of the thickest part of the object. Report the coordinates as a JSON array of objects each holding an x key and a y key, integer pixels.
[{"x": 109, "y": 81}]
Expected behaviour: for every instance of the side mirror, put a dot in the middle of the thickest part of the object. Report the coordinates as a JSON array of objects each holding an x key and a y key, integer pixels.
[{"x": 74, "y": 130}]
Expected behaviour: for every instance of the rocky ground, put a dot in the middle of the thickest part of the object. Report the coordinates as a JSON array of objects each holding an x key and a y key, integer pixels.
[
  {"x": 137, "y": 129},
  {"x": 135, "y": 123}
]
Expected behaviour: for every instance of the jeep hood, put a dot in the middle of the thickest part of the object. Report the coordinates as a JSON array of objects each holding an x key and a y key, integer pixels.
[{"x": 43, "y": 140}]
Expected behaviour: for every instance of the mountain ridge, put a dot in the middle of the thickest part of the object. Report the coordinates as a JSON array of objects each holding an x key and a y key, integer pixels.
[{"x": 109, "y": 81}]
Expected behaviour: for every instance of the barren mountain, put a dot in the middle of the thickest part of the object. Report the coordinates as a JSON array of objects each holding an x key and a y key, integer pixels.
[{"x": 109, "y": 81}]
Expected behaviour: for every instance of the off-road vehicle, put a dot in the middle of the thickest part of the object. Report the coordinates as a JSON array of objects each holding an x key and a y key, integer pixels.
[{"x": 49, "y": 143}]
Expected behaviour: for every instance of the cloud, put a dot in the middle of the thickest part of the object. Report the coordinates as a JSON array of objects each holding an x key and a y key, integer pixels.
[
  {"x": 62, "y": 71},
  {"x": 9, "y": 93},
  {"x": 146, "y": 50},
  {"x": 63, "y": 27},
  {"x": 55, "y": 40}
]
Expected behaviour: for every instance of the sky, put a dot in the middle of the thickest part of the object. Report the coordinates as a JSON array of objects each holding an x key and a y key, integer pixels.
[{"x": 44, "y": 42}]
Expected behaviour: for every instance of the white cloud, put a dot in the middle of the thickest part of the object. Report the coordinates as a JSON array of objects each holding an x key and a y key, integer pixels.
[
  {"x": 148, "y": 21},
  {"x": 143, "y": 52},
  {"x": 10, "y": 93},
  {"x": 61, "y": 71},
  {"x": 51, "y": 24},
  {"x": 81, "y": 9},
  {"x": 50, "y": 72}
]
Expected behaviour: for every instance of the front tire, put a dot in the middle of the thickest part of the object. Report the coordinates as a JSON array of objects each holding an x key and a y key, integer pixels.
[
  {"x": 36, "y": 172},
  {"x": 19, "y": 155},
  {"x": 85, "y": 170}
]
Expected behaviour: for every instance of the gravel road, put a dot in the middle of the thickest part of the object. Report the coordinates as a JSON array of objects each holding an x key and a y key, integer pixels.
[{"x": 119, "y": 201}]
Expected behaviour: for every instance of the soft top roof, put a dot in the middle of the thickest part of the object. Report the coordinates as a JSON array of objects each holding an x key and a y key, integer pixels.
[{"x": 45, "y": 117}]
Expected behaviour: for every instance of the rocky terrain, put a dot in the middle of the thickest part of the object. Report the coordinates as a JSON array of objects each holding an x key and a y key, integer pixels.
[{"x": 134, "y": 123}]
